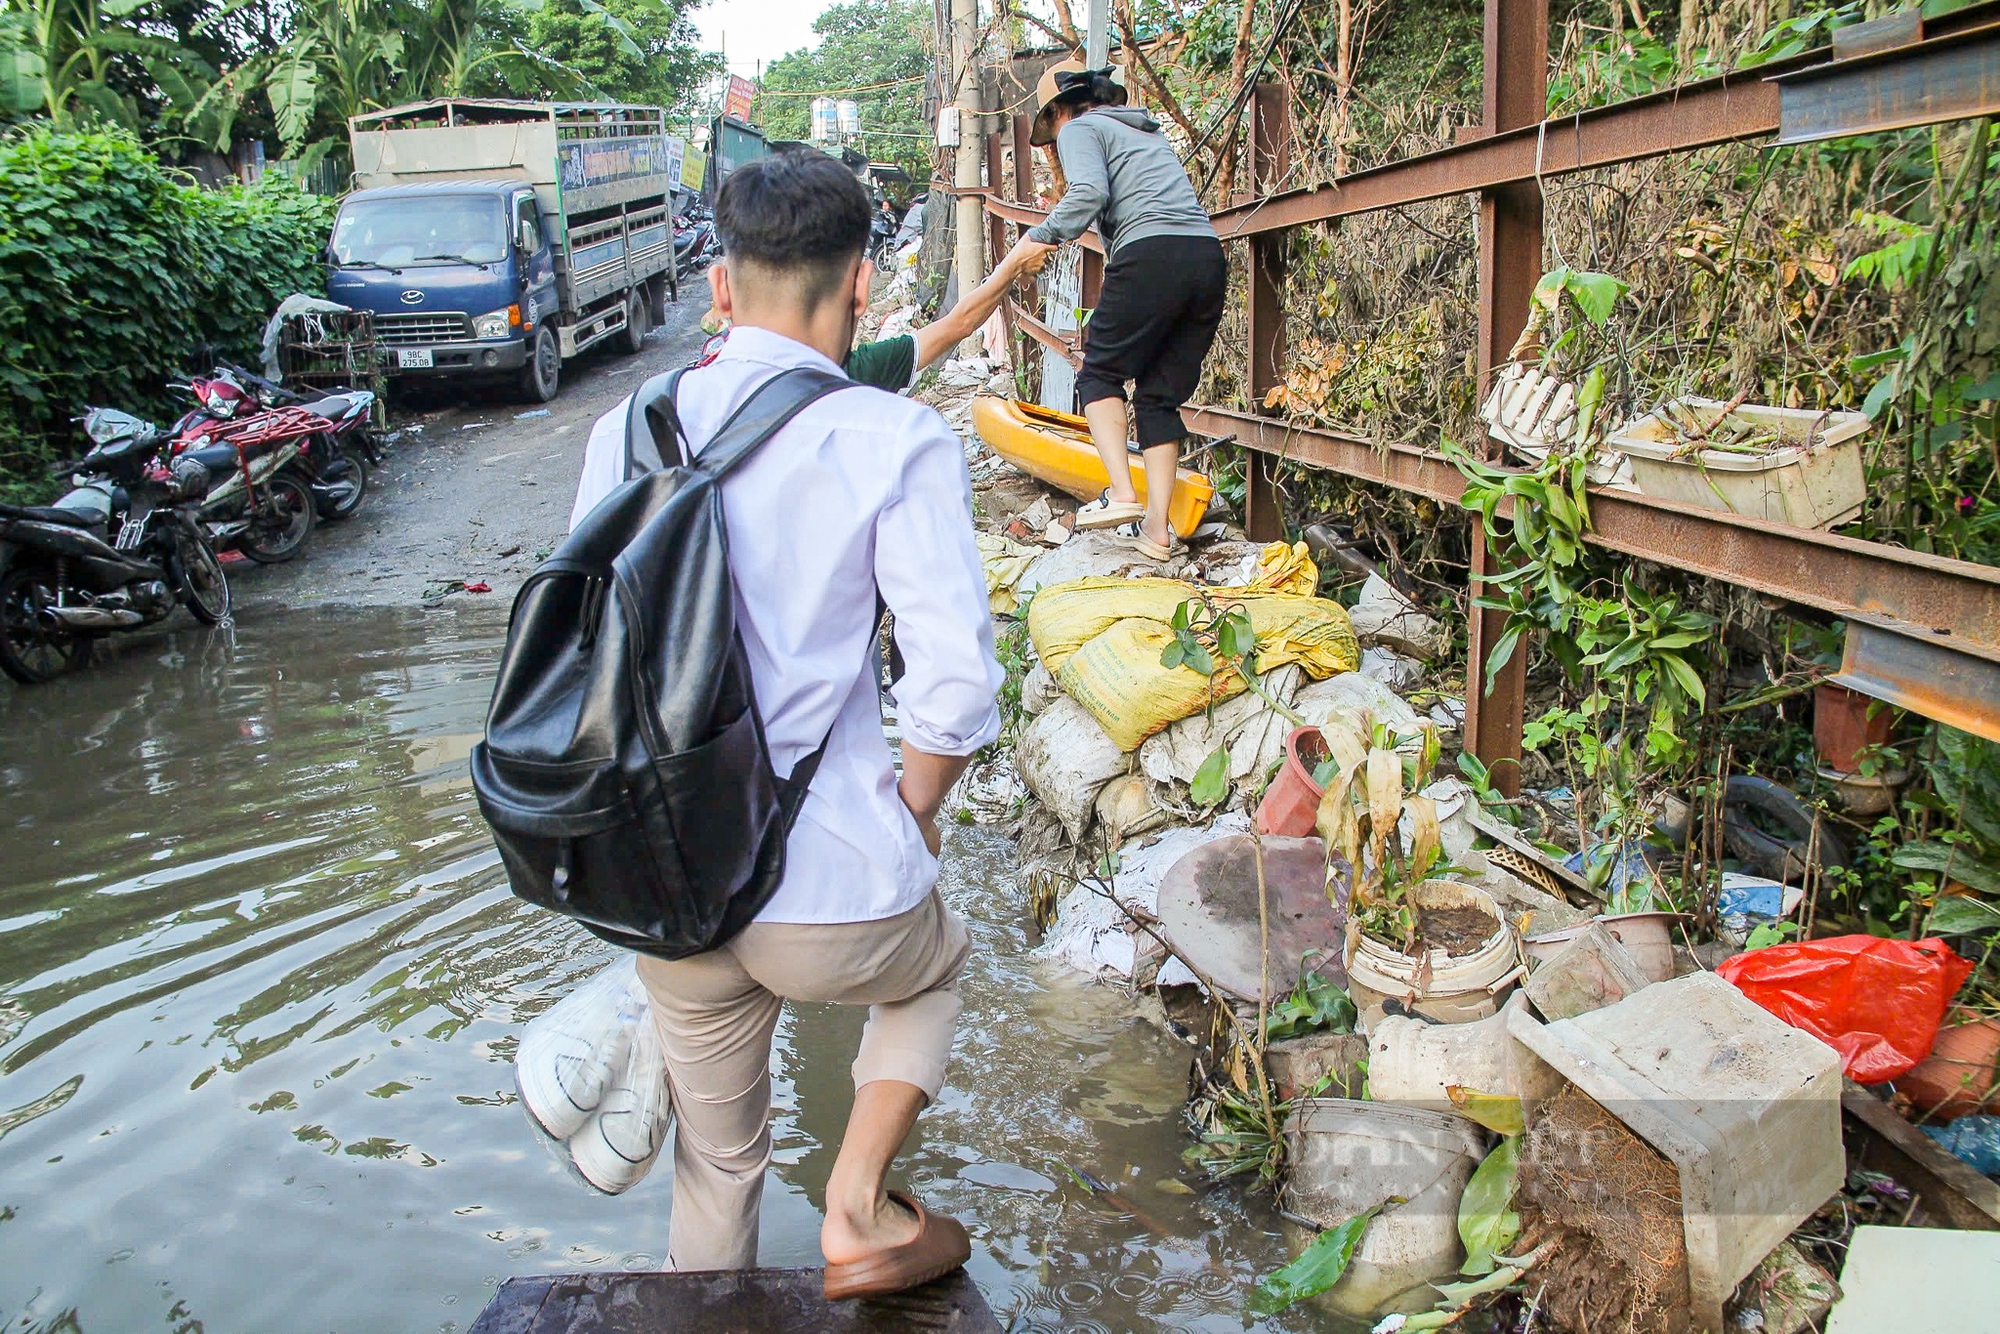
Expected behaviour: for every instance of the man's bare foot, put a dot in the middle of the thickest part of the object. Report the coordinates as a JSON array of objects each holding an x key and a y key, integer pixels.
[{"x": 856, "y": 1232}]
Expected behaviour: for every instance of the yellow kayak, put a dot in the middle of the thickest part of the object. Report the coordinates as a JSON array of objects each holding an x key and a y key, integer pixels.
[{"x": 1055, "y": 448}]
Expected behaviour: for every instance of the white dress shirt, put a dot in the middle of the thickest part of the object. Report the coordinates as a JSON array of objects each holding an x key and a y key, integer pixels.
[{"x": 861, "y": 489}]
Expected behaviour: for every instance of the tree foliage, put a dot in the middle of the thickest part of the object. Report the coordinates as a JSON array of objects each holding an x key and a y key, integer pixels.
[
  {"x": 862, "y": 43},
  {"x": 645, "y": 51},
  {"x": 114, "y": 273}
]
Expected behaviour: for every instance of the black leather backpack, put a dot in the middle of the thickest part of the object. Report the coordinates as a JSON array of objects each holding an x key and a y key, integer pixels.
[{"x": 624, "y": 772}]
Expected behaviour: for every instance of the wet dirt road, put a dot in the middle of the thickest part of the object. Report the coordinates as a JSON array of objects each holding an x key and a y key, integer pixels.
[{"x": 476, "y": 488}]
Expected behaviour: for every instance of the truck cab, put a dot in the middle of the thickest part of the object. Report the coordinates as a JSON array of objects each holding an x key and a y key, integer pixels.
[
  {"x": 459, "y": 275},
  {"x": 496, "y": 239}
]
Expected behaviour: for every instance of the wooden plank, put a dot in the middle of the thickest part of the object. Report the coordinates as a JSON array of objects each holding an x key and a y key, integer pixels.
[
  {"x": 1950, "y": 1193},
  {"x": 751, "y": 1301}
]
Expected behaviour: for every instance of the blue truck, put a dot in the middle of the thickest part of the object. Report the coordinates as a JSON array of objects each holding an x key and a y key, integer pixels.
[{"x": 494, "y": 240}]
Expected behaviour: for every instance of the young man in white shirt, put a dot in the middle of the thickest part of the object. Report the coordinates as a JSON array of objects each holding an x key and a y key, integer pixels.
[{"x": 862, "y": 490}]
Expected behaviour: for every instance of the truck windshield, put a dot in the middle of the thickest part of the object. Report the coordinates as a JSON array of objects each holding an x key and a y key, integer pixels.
[{"x": 408, "y": 230}]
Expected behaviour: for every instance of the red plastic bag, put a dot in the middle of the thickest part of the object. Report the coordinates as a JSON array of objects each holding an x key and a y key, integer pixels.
[{"x": 1876, "y": 1002}]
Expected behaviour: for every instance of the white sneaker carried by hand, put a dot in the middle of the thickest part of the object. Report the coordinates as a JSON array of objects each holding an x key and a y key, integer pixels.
[
  {"x": 618, "y": 1143},
  {"x": 576, "y": 1053}
]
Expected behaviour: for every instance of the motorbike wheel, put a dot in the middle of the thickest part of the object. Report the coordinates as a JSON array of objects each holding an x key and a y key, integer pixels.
[
  {"x": 32, "y": 649},
  {"x": 543, "y": 373},
  {"x": 347, "y": 476},
  {"x": 633, "y": 340},
  {"x": 199, "y": 579},
  {"x": 280, "y": 529}
]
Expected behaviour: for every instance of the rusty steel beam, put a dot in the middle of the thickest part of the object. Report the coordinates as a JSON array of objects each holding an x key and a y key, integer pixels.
[
  {"x": 1515, "y": 94},
  {"x": 1925, "y": 674},
  {"x": 1270, "y": 159},
  {"x": 1937, "y": 603},
  {"x": 1726, "y": 109},
  {"x": 1953, "y": 77},
  {"x": 1024, "y": 157},
  {"x": 1042, "y": 333}
]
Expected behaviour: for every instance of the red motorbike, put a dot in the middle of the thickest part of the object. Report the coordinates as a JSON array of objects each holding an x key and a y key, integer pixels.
[{"x": 278, "y": 468}]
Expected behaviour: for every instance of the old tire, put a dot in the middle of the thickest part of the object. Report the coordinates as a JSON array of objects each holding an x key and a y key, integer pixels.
[
  {"x": 200, "y": 579},
  {"x": 542, "y": 376},
  {"x": 283, "y": 523},
  {"x": 32, "y": 650},
  {"x": 347, "y": 479},
  {"x": 632, "y": 339},
  {"x": 656, "y": 299}
]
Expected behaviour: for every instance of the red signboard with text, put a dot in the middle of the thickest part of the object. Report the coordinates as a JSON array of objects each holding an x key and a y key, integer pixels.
[{"x": 736, "y": 102}]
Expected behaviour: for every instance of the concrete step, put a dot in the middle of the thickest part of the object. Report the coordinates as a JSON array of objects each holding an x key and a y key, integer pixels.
[{"x": 746, "y": 1301}]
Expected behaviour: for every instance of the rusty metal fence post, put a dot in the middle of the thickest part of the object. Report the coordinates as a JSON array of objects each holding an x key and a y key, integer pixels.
[
  {"x": 1510, "y": 263},
  {"x": 1270, "y": 161}
]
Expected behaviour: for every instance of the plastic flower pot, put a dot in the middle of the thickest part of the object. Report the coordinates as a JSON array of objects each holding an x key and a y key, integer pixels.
[
  {"x": 1451, "y": 989},
  {"x": 1960, "y": 1071},
  {"x": 1648, "y": 936},
  {"x": 1292, "y": 801},
  {"x": 1843, "y": 726}
]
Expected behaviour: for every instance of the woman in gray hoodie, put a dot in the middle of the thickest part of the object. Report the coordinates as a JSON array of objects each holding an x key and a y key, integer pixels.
[{"x": 1164, "y": 288}]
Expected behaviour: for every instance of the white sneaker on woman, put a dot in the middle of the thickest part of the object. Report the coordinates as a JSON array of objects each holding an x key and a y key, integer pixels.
[
  {"x": 575, "y": 1054},
  {"x": 616, "y": 1147}
]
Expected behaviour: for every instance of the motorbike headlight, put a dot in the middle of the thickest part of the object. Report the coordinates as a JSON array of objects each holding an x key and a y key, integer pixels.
[{"x": 497, "y": 324}]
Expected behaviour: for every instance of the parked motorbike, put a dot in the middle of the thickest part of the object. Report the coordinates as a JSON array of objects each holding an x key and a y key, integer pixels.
[
  {"x": 881, "y": 234},
  {"x": 334, "y": 463},
  {"x": 258, "y": 502},
  {"x": 696, "y": 245},
  {"x": 121, "y": 550}
]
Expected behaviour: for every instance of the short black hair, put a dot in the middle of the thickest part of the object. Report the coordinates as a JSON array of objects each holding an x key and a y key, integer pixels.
[{"x": 800, "y": 211}]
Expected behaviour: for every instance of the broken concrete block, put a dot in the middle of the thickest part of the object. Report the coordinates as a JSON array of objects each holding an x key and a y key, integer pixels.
[
  {"x": 1298, "y": 1064},
  {"x": 1745, "y": 1106},
  {"x": 1590, "y": 971}
]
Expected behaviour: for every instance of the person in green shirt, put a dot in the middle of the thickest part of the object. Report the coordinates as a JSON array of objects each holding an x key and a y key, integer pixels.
[{"x": 894, "y": 363}]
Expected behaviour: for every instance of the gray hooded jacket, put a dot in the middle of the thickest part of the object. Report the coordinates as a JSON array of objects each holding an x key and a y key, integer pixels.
[{"x": 1124, "y": 176}]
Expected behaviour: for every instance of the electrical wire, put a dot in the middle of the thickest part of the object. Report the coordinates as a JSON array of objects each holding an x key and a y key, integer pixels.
[
  {"x": 836, "y": 92},
  {"x": 1243, "y": 94}
]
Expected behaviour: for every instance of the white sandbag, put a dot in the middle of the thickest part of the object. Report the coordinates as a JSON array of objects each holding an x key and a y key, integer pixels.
[
  {"x": 1254, "y": 732},
  {"x": 1093, "y": 552},
  {"x": 1392, "y": 669},
  {"x": 1385, "y": 617},
  {"x": 1093, "y": 935},
  {"x": 1038, "y": 691},
  {"x": 1351, "y": 690},
  {"x": 1065, "y": 759}
]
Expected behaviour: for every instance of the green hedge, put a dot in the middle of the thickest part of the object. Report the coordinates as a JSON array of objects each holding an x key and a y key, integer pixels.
[{"x": 115, "y": 274}]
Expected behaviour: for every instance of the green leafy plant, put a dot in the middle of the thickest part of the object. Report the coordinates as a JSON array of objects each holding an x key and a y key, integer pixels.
[
  {"x": 1216, "y": 638},
  {"x": 1965, "y": 772},
  {"x": 1318, "y": 1268},
  {"x": 1358, "y": 815},
  {"x": 1211, "y": 781},
  {"x": 1315, "y": 1005},
  {"x": 1487, "y": 1223}
]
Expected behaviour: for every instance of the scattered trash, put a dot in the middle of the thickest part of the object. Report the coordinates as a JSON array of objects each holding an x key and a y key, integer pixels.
[
  {"x": 1318, "y": 1268},
  {"x": 533, "y": 412},
  {"x": 1383, "y": 616},
  {"x": 514, "y": 550},
  {"x": 1093, "y": 935},
  {"x": 1973, "y": 1140},
  {"x": 1253, "y": 732},
  {"x": 1209, "y": 907},
  {"x": 479, "y": 587},
  {"x": 1788, "y": 1292},
  {"x": 1451, "y": 982},
  {"x": 1449, "y": 713},
  {"x": 1745, "y": 1107},
  {"x": 1065, "y": 758},
  {"x": 1877, "y": 1002},
  {"x": 1038, "y": 516},
  {"x": 1005, "y": 560},
  {"x": 1411, "y": 1165},
  {"x": 475, "y": 426},
  {"x": 1391, "y": 669},
  {"x": 1296, "y": 1065},
  {"x": 1039, "y": 690},
  {"x": 1961, "y": 1072},
  {"x": 1418, "y": 1062},
  {"x": 1590, "y": 971}
]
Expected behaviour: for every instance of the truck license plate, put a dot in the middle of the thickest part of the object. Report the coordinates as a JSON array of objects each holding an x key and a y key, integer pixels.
[{"x": 416, "y": 360}]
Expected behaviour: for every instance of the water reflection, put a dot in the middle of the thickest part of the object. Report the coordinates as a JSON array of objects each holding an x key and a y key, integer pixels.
[{"x": 261, "y": 982}]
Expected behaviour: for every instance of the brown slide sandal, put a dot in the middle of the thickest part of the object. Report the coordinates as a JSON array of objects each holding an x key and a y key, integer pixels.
[{"x": 940, "y": 1246}]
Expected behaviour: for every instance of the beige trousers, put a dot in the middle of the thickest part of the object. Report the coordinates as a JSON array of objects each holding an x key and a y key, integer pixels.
[{"x": 716, "y": 1012}]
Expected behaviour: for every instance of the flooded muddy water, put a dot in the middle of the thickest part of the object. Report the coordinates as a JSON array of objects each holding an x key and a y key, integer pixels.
[{"x": 261, "y": 981}]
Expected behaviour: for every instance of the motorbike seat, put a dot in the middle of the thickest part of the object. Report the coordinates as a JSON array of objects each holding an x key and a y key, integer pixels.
[
  {"x": 218, "y": 459},
  {"x": 49, "y": 514},
  {"x": 333, "y": 407}
]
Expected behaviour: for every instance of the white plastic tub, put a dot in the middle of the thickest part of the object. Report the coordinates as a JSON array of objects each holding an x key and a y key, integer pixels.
[
  {"x": 1816, "y": 487},
  {"x": 1451, "y": 989}
]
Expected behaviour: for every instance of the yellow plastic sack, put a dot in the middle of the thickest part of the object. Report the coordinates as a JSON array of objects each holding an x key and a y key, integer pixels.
[
  {"x": 1005, "y": 561},
  {"x": 1102, "y": 638},
  {"x": 1286, "y": 569}
]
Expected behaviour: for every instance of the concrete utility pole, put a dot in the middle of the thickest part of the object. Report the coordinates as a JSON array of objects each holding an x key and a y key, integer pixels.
[
  {"x": 1097, "y": 35},
  {"x": 970, "y": 214}
]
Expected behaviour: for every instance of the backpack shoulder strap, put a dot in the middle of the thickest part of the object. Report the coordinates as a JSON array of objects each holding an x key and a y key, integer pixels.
[
  {"x": 654, "y": 438},
  {"x": 766, "y": 412}
]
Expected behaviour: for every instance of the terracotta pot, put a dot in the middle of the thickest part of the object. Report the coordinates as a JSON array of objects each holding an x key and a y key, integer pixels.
[
  {"x": 1843, "y": 728},
  {"x": 1960, "y": 1071},
  {"x": 1292, "y": 801}
]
